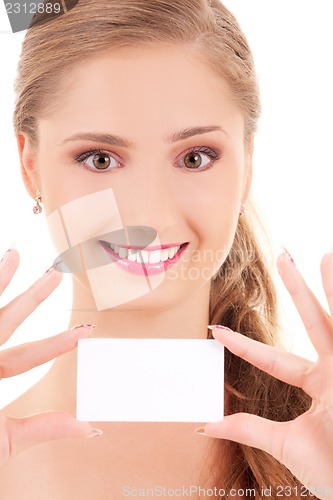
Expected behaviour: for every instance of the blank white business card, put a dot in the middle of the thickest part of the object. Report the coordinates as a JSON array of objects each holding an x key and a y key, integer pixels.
[{"x": 150, "y": 380}]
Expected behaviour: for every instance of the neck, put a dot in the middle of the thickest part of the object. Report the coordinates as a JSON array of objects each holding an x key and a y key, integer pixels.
[{"x": 187, "y": 320}]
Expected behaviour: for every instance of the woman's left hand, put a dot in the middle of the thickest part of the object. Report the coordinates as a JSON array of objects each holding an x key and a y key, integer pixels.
[{"x": 303, "y": 445}]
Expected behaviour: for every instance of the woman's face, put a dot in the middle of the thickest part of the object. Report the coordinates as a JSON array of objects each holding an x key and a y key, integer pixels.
[{"x": 185, "y": 187}]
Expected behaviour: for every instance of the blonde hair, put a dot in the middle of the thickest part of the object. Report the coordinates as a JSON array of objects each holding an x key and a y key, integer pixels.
[{"x": 243, "y": 295}]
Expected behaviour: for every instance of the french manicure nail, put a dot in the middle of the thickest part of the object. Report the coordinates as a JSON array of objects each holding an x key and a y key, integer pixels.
[
  {"x": 49, "y": 271},
  {"x": 83, "y": 326},
  {"x": 289, "y": 256},
  {"x": 95, "y": 433},
  {"x": 200, "y": 430},
  {"x": 4, "y": 255},
  {"x": 220, "y": 327}
]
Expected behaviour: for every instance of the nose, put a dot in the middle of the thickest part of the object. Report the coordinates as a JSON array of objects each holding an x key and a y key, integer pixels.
[{"x": 147, "y": 197}]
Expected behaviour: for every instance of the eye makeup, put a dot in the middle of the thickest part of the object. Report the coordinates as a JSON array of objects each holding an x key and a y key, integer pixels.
[{"x": 212, "y": 153}]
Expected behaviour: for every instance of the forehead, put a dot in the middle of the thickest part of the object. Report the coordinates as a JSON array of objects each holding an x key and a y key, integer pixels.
[{"x": 150, "y": 88}]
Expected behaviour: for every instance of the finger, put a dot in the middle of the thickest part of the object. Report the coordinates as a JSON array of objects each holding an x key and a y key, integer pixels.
[
  {"x": 326, "y": 268},
  {"x": 14, "y": 313},
  {"x": 8, "y": 266},
  {"x": 251, "y": 430},
  {"x": 287, "y": 442},
  {"x": 316, "y": 320},
  {"x": 285, "y": 366},
  {"x": 18, "y": 434},
  {"x": 22, "y": 358}
]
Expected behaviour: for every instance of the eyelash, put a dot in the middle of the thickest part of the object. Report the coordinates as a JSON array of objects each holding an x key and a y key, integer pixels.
[{"x": 213, "y": 154}]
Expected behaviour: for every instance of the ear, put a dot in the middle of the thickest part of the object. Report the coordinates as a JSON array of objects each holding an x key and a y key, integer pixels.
[
  {"x": 248, "y": 172},
  {"x": 28, "y": 164}
]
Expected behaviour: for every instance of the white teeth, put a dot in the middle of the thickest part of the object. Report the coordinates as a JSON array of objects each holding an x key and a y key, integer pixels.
[
  {"x": 171, "y": 252},
  {"x": 145, "y": 256},
  {"x": 132, "y": 255},
  {"x": 123, "y": 253},
  {"x": 155, "y": 256},
  {"x": 164, "y": 255}
]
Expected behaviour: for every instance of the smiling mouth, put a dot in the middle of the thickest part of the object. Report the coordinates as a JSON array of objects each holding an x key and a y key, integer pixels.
[{"x": 162, "y": 253}]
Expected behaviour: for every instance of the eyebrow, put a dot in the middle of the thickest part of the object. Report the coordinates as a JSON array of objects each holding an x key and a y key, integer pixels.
[{"x": 115, "y": 140}]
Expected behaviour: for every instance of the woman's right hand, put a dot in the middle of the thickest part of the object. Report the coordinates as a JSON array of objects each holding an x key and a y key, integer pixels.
[{"x": 17, "y": 434}]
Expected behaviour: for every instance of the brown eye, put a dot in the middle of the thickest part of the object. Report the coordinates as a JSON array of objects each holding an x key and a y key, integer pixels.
[
  {"x": 97, "y": 160},
  {"x": 101, "y": 161},
  {"x": 199, "y": 159},
  {"x": 193, "y": 160}
]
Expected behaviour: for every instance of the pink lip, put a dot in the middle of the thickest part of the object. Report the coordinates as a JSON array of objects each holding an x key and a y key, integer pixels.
[
  {"x": 143, "y": 268},
  {"x": 156, "y": 247}
]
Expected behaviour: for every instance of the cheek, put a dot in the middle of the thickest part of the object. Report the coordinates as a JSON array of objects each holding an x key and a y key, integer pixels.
[
  {"x": 212, "y": 204},
  {"x": 84, "y": 218},
  {"x": 61, "y": 181},
  {"x": 57, "y": 188},
  {"x": 213, "y": 215},
  {"x": 219, "y": 241}
]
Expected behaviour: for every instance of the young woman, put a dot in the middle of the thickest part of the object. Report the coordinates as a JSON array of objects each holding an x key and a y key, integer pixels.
[{"x": 149, "y": 108}]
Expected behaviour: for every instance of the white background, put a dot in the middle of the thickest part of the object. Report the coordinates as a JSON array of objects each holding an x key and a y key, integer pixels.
[{"x": 292, "y": 45}]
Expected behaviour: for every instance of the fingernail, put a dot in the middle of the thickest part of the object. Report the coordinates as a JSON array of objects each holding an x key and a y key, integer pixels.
[
  {"x": 4, "y": 255},
  {"x": 95, "y": 433},
  {"x": 50, "y": 269},
  {"x": 220, "y": 327},
  {"x": 83, "y": 326},
  {"x": 200, "y": 430},
  {"x": 289, "y": 256}
]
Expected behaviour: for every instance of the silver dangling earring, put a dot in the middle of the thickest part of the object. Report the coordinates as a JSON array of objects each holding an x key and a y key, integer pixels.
[
  {"x": 37, "y": 208},
  {"x": 242, "y": 210}
]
